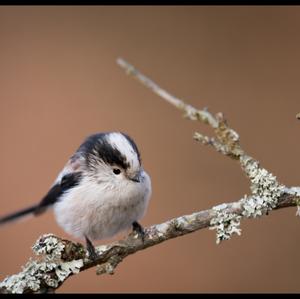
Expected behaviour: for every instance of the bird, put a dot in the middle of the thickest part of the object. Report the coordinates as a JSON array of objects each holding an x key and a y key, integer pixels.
[{"x": 101, "y": 191}]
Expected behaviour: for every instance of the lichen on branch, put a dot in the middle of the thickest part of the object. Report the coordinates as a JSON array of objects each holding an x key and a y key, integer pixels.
[
  {"x": 57, "y": 260},
  {"x": 225, "y": 223}
]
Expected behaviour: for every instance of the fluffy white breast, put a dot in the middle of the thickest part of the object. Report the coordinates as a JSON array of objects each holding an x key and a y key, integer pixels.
[{"x": 100, "y": 211}]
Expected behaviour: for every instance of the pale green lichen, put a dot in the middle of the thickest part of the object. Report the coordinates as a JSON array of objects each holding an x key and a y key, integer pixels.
[
  {"x": 65, "y": 269},
  {"x": 49, "y": 246},
  {"x": 225, "y": 223},
  {"x": 264, "y": 187},
  {"x": 27, "y": 279},
  {"x": 36, "y": 272}
]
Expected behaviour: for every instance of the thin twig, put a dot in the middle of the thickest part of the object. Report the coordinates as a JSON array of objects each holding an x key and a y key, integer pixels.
[{"x": 190, "y": 112}]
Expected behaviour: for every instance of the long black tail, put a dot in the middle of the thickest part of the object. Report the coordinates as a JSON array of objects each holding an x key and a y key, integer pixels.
[
  {"x": 18, "y": 214},
  {"x": 68, "y": 181}
]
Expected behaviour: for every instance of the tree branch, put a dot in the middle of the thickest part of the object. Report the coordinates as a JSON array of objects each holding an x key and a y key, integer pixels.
[{"x": 59, "y": 259}]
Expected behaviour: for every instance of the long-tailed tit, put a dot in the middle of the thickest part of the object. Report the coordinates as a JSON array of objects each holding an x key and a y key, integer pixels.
[{"x": 101, "y": 191}]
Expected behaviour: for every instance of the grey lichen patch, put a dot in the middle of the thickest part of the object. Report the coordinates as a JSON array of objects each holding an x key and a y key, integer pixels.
[
  {"x": 65, "y": 269},
  {"x": 49, "y": 271},
  {"x": 49, "y": 246},
  {"x": 21, "y": 282},
  {"x": 162, "y": 229},
  {"x": 264, "y": 187},
  {"x": 202, "y": 138},
  {"x": 225, "y": 223},
  {"x": 293, "y": 191}
]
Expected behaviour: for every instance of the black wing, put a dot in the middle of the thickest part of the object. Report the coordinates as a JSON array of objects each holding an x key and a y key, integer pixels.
[{"x": 67, "y": 182}]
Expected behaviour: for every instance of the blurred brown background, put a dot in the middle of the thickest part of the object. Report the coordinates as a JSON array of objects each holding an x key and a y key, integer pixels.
[{"x": 59, "y": 83}]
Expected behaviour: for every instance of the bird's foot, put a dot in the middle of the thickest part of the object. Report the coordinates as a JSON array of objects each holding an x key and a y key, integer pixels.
[
  {"x": 91, "y": 249},
  {"x": 137, "y": 228}
]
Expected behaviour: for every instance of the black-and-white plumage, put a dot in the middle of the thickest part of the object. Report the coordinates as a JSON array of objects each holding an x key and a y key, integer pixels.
[{"x": 101, "y": 191}]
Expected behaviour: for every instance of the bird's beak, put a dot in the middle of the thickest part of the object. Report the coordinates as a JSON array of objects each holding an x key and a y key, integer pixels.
[{"x": 137, "y": 177}]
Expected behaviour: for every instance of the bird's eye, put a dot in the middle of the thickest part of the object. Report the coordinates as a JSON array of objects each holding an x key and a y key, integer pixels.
[{"x": 116, "y": 171}]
